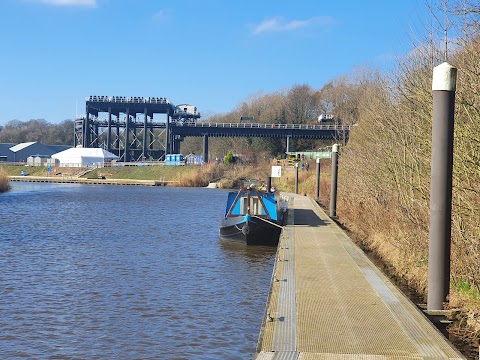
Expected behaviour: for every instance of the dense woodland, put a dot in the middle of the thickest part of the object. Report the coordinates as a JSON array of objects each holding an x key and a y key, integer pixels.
[{"x": 384, "y": 181}]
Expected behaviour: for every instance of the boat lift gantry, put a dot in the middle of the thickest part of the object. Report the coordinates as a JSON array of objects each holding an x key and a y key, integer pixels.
[{"x": 124, "y": 132}]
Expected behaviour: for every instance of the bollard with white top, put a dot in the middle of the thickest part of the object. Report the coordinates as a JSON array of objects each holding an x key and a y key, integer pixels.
[
  {"x": 443, "y": 86},
  {"x": 317, "y": 189},
  {"x": 333, "y": 190},
  {"x": 296, "y": 178}
]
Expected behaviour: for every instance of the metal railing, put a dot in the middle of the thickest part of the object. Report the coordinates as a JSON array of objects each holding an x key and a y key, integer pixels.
[
  {"x": 267, "y": 126},
  {"x": 124, "y": 99}
]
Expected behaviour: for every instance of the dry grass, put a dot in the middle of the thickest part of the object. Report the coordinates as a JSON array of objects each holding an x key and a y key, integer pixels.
[
  {"x": 197, "y": 176},
  {"x": 4, "y": 182},
  {"x": 384, "y": 181}
]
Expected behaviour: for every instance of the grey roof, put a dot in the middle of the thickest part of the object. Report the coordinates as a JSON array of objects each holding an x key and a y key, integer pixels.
[{"x": 21, "y": 146}]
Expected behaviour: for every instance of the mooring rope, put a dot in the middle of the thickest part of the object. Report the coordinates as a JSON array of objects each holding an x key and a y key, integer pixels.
[{"x": 267, "y": 221}]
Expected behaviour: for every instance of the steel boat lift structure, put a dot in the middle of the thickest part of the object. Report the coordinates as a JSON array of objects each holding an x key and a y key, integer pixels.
[{"x": 129, "y": 129}]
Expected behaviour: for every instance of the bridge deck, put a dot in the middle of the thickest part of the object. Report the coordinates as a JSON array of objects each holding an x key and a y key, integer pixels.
[{"x": 328, "y": 301}]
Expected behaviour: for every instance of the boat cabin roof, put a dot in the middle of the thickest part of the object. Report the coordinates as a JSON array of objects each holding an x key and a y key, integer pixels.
[{"x": 253, "y": 202}]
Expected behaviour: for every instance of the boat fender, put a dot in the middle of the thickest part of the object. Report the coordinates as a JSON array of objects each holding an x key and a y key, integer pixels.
[{"x": 246, "y": 230}]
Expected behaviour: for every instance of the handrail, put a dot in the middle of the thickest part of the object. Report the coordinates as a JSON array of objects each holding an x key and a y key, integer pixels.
[
  {"x": 267, "y": 126},
  {"x": 240, "y": 125}
]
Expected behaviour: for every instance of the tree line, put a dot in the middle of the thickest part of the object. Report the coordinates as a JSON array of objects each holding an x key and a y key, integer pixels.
[
  {"x": 336, "y": 102},
  {"x": 16, "y": 131}
]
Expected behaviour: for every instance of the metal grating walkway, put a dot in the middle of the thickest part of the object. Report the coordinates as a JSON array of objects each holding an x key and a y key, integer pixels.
[
  {"x": 285, "y": 333},
  {"x": 328, "y": 301}
]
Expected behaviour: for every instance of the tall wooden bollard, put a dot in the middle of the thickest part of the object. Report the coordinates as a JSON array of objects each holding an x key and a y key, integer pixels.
[
  {"x": 296, "y": 178},
  {"x": 333, "y": 190},
  {"x": 443, "y": 86},
  {"x": 317, "y": 187}
]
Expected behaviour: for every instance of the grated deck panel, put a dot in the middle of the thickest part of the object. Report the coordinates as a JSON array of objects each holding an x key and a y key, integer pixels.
[{"x": 345, "y": 308}]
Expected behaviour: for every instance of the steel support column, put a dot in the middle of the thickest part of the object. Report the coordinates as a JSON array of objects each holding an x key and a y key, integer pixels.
[
  {"x": 126, "y": 151},
  {"x": 167, "y": 135},
  {"x": 85, "y": 128},
  {"x": 109, "y": 130},
  {"x": 151, "y": 134},
  {"x": 205, "y": 148},
  {"x": 134, "y": 133},
  {"x": 145, "y": 120},
  {"x": 117, "y": 141},
  {"x": 75, "y": 140},
  {"x": 176, "y": 145},
  {"x": 95, "y": 131}
]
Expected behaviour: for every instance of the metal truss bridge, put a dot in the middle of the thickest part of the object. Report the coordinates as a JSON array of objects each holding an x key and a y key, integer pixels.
[{"x": 138, "y": 138}]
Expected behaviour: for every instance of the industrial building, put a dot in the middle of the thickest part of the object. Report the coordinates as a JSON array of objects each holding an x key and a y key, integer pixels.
[{"x": 21, "y": 152}]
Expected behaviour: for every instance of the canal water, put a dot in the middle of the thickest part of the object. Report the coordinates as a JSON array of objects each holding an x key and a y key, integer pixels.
[{"x": 113, "y": 272}]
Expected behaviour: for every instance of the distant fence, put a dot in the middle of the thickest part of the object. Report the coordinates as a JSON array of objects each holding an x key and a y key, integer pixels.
[{"x": 190, "y": 161}]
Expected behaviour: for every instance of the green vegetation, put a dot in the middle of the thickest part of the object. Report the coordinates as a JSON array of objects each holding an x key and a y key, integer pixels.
[
  {"x": 465, "y": 288},
  {"x": 228, "y": 158},
  {"x": 15, "y": 170}
]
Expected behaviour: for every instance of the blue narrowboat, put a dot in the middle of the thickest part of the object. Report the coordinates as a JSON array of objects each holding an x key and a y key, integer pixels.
[{"x": 253, "y": 217}]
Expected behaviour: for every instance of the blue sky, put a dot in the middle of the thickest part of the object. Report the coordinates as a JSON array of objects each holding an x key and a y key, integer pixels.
[{"x": 211, "y": 53}]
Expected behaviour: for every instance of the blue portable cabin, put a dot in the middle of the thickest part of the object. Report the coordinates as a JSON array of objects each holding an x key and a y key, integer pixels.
[{"x": 174, "y": 160}]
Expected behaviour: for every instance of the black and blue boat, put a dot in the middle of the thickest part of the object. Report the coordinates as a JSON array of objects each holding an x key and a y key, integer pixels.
[{"x": 253, "y": 217}]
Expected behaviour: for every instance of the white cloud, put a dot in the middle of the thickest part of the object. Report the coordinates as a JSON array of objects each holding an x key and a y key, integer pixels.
[
  {"x": 279, "y": 23},
  {"x": 86, "y": 3},
  {"x": 163, "y": 15}
]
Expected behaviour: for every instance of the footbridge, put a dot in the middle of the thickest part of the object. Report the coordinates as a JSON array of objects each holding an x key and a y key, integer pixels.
[
  {"x": 131, "y": 128},
  {"x": 285, "y": 131}
]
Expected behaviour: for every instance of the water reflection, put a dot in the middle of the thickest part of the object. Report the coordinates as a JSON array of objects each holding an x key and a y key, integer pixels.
[{"x": 125, "y": 272}]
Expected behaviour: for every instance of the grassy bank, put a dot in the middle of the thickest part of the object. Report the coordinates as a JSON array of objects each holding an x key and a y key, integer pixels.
[
  {"x": 15, "y": 170},
  {"x": 229, "y": 177}
]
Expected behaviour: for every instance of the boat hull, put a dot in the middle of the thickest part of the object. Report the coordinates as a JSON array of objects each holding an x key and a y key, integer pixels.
[{"x": 250, "y": 231}]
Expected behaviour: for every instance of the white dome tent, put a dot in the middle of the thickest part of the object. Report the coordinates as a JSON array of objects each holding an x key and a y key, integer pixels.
[{"x": 84, "y": 157}]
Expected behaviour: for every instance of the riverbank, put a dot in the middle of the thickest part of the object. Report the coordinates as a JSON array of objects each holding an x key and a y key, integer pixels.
[
  {"x": 79, "y": 180},
  {"x": 188, "y": 176}
]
